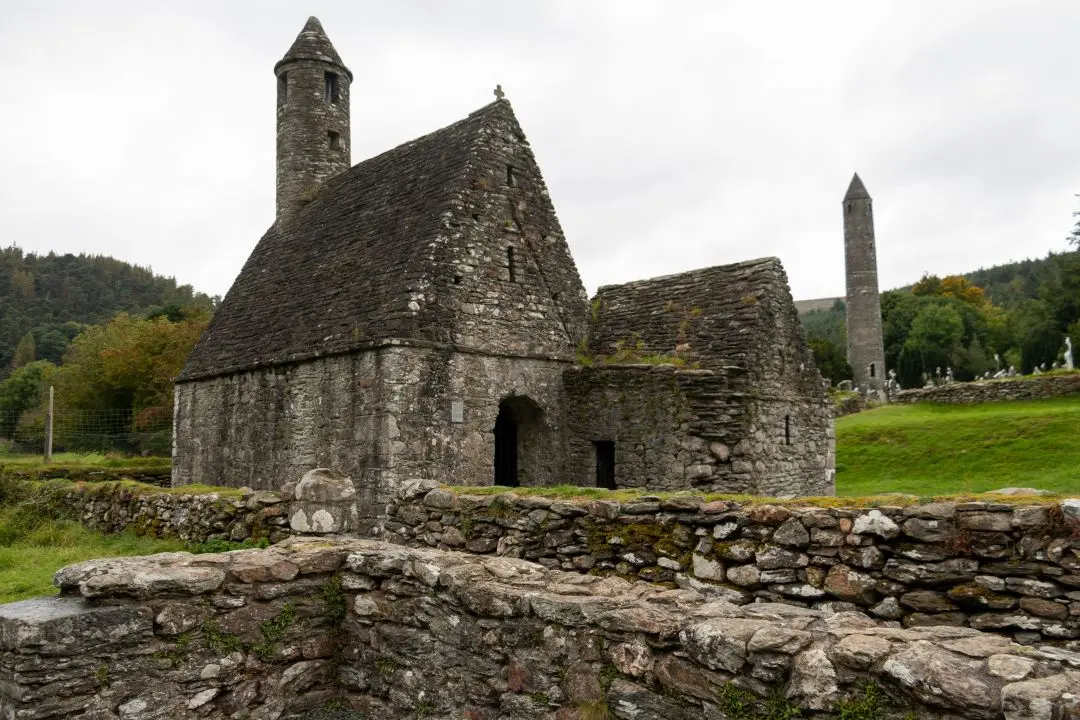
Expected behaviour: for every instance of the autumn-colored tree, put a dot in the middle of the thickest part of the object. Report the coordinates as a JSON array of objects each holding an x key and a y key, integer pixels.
[
  {"x": 951, "y": 286},
  {"x": 127, "y": 366}
]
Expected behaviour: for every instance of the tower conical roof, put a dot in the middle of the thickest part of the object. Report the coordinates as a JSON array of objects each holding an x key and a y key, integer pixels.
[
  {"x": 313, "y": 44},
  {"x": 856, "y": 190}
]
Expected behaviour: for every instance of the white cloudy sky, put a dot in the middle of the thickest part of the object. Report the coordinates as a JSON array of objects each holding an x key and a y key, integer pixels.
[{"x": 672, "y": 134}]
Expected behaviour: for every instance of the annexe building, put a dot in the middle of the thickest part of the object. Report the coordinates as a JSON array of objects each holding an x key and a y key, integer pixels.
[{"x": 420, "y": 315}]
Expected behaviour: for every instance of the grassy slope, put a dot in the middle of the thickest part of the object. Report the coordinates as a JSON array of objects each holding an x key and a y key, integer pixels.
[{"x": 942, "y": 449}]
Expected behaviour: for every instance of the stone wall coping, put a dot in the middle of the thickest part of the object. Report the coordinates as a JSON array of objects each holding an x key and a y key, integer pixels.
[
  {"x": 711, "y": 504},
  {"x": 1027, "y": 387}
]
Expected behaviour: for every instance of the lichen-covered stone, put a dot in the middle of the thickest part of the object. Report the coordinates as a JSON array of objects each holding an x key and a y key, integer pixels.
[{"x": 496, "y": 636}]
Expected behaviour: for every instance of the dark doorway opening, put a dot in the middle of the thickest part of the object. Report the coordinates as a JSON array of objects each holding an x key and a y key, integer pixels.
[
  {"x": 506, "y": 443},
  {"x": 605, "y": 464},
  {"x": 523, "y": 450}
]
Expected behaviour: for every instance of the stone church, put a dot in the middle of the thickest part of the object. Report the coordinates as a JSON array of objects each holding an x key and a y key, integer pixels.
[{"x": 420, "y": 315}]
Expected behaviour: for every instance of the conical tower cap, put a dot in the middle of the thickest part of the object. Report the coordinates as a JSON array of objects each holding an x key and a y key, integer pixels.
[
  {"x": 856, "y": 190},
  {"x": 313, "y": 44}
]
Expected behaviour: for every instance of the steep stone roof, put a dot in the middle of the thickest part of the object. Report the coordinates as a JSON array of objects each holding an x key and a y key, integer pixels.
[
  {"x": 406, "y": 245},
  {"x": 313, "y": 44},
  {"x": 856, "y": 190},
  {"x": 728, "y": 315}
]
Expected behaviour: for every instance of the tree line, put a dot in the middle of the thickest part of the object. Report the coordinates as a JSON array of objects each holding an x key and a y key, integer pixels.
[
  {"x": 47, "y": 300},
  {"x": 107, "y": 335}
]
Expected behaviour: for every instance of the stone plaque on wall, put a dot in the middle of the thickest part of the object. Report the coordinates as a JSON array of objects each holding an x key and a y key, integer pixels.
[{"x": 457, "y": 411}]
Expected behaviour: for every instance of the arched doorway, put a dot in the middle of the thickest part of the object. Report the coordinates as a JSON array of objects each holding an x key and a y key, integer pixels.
[{"x": 520, "y": 442}]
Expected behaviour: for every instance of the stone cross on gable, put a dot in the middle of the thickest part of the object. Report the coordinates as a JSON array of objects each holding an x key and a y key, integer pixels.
[{"x": 499, "y": 92}]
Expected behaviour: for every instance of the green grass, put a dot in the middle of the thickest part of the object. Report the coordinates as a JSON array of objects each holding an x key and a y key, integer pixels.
[
  {"x": 31, "y": 552},
  {"x": 79, "y": 460},
  {"x": 929, "y": 449}
]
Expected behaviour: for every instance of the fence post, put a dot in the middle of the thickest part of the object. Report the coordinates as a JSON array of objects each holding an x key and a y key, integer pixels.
[{"x": 49, "y": 428}]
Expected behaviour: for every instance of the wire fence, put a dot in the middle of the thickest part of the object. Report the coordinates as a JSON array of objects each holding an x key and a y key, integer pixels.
[{"x": 97, "y": 430}]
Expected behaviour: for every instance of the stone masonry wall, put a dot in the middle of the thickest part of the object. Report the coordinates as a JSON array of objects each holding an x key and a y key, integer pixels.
[
  {"x": 424, "y": 384},
  {"x": 263, "y": 428},
  {"x": 1011, "y": 569},
  {"x": 1034, "y": 388},
  {"x": 360, "y": 628},
  {"x": 380, "y": 416},
  {"x": 676, "y": 429},
  {"x": 664, "y": 438},
  {"x": 197, "y": 517}
]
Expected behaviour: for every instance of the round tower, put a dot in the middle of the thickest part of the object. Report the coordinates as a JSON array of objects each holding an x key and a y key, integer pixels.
[
  {"x": 312, "y": 117},
  {"x": 865, "y": 346}
]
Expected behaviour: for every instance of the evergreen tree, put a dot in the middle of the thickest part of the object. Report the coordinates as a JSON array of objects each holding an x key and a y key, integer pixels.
[{"x": 25, "y": 352}]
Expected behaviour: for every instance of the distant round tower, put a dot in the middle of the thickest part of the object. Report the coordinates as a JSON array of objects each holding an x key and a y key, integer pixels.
[
  {"x": 312, "y": 117},
  {"x": 865, "y": 346}
]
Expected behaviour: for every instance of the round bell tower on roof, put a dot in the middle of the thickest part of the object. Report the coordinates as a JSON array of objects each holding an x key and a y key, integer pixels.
[{"x": 313, "y": 134}]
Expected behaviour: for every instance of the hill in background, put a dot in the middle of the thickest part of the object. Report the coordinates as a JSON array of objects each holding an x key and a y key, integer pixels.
[
  {"x": 1006, "y": 285},
  {"x": 46, "y": 299}
]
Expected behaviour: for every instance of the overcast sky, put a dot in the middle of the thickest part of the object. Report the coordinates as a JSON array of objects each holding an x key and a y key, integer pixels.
[{"x": 672, "y": 135}]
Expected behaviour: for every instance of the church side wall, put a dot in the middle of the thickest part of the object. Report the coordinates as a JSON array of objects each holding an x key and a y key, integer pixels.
[
  {"x": 791, "y": 446},
  {"x": 381, "y": 417},
  {"x": 263, "y": 428},
  {"x": 707, "y": 430},
  {"x": 673, "y": 429}
]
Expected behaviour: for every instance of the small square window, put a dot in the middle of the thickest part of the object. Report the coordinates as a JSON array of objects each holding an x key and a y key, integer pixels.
[{"x": 335, "y": 140}]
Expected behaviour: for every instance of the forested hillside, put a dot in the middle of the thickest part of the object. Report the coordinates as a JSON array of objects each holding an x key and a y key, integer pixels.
[
  {"x": 46, "y": 300},
  {"x": 1010, "y": 284},
  {"x": 1021, "y": 312}
]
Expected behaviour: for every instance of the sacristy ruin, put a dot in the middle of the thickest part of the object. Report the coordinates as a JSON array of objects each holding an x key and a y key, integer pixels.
[{"x": 419, "y": 315}]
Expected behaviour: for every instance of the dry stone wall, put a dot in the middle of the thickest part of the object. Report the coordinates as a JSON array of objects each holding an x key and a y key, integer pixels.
[
  {"x": 1033, "y": 388},
  {"x": 362, "y": 629},
  {"x": 197, "y": 517},
  {"x": 1010, "y": 569}
]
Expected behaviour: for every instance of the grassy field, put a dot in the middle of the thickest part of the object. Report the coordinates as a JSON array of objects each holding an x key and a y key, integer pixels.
[
  {"x": 27, "y": 565},
  {"x": 79, "y": 460},
  {"x": 945, "y": 449}
]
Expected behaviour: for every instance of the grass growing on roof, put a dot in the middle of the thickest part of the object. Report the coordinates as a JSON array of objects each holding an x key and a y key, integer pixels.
[{"x": 938, "y": 449}]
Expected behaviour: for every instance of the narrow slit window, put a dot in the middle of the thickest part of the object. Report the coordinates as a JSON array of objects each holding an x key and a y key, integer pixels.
[
  {"x": 787, "y": 429},
  {"x": 332, "y": 94},
  {"x": 282, "y": 89},
  {"x": 510, "y": 264},
  {"x": 511, "y": 180},
  {"x": 605, "y": 464},
  {"x": 872, "y": 370},
  {"x": 334, "y": 139}
]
